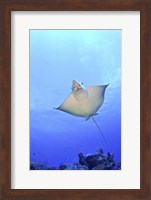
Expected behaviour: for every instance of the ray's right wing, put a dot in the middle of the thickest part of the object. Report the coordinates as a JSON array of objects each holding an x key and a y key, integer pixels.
[{"x": 96, "y": 95}]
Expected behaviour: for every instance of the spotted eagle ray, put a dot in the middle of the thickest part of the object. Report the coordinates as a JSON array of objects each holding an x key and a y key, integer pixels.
[{"x": 84, "y": 101}]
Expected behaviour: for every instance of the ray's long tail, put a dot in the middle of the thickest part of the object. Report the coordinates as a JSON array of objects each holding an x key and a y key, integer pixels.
[{"x": 105, "y": 141}]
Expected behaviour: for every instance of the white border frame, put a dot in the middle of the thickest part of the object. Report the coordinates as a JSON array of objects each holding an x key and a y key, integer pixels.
[{"x": 129, "y": 176}]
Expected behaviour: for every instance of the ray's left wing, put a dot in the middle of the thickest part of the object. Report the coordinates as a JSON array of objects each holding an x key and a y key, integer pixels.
[{"x": 70, "y": 105}]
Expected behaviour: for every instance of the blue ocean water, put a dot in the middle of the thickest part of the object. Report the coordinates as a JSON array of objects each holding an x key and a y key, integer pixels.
[{"x": 92, "y": 57}]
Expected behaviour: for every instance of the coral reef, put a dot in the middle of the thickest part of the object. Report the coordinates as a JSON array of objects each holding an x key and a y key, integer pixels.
[
  {"x": 97, "y": 161},
  {"x": 39, "y": 166}
]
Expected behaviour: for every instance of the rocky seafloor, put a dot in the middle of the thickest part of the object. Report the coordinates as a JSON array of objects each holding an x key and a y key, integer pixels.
[{"x": 97, "y": 161}]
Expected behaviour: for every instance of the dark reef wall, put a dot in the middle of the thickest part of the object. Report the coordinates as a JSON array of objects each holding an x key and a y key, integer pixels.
[{"x": 97, "y": 161}]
